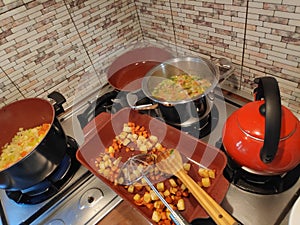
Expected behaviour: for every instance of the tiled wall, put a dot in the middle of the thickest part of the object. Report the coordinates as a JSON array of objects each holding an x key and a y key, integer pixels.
[
  {"x": 60, "y": 45},
  {"x": 66, "y": 45},
  {"x": 261, "y": 37}
]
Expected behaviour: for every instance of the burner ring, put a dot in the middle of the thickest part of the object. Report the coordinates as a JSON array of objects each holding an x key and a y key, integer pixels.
[{"x": 53, "y": 183}]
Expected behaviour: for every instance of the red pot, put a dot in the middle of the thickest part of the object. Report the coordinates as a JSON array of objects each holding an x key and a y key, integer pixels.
[{"x": 263, "y": 136}]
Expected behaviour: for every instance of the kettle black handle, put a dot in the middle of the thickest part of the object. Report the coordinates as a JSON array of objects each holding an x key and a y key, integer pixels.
[{"x": 271, "y": 109}]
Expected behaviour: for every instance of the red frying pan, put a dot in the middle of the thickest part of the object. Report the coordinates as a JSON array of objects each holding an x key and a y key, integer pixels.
[{"x": 127, "y": 71}]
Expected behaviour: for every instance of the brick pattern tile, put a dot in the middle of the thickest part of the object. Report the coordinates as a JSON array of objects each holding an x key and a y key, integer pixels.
[
  {"x": 59, "y": 45},
  {"x": 261, "y": 38},
  {"x": 272, "y": 47},
  {"x": 66, "y": 45}
]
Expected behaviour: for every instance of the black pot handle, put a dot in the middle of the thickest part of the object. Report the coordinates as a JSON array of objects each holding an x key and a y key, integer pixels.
[
  {"x": 271, "y": 110},
  {"x": 59, "y": 100},
  {"x": 96, "y": 108}
]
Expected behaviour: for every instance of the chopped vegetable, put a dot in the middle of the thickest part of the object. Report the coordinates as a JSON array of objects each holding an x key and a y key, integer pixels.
[
  {"x": 181, "y": 205},
  {"x": 160, "y": 186},
  {"x": 205, "y": 181},
  {"x": 21, "y": 144},
  {"x": 156, "y": 216},
  {"x": 180, "y": 87},
  {"x": 136, "y": 137}
]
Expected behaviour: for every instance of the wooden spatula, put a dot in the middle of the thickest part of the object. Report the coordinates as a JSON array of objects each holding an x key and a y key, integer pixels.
[{"x": 171, "y": 162}]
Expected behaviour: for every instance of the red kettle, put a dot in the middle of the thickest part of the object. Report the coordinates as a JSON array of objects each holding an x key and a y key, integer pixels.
[{"x": 263, "y": 136}]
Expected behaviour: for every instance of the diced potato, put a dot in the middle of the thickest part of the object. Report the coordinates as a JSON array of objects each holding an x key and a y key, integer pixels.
[
  {"x": 143, "y": 181},
  {"x": 158, "y": 146},
  {"x": 180, "y": 205},
  {"x": 139, "y": 143},
  {"x": 121, "y": 136},
  {"x": 153, "y": 139},
  {"x": 187, "y": 166},
  {"x": 147, "y": 197},
  {"x": 107, "y": 163},
  {"x": 117, "y": 161},
  {"x": 172, "y": 182},
  {"x": 173, "y": 190},
  {"x": 111, "y": 149},
  {"x": 205, "y": 181},
  {"x": 130, "y": 189},
  {"x": 120, "y": 180},
  {"x": 158, "y": 204},
  {"x": 147, "y": 188},
  {"x": 141, "y": 138},
  {"x": 154, "y": 197},
  {"x": 167, "y": 192},
  {"x": 127, "y": 129},
  {"x": 126, "y": 141},
  {"x": 136, "y": 173},
  {"x": 143, "y": 148},
  {"x": 149, "y": 145},
  {"x": 182, "y": 187},
  {"x": 105, "y": 157},
  {"x": 160, "y": 186},
  {"x": 168, "y": 213},
  {"x": 125, "y": 170},
  {"x": 212, "y": 174},
  {"x": 106, "y": 172},
  {"x": 134, "y": 137},
  {"x": 203, "y": 172},
  {"x": 101, "y": 165},
  {"x": 136, "y": 197},
  {"x": 156, "y": 216}
]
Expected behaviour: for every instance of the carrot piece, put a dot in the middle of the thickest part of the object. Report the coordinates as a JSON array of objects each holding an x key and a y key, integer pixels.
[
  {"x": 131, "y": 124},
  {"x": 44, "y": 128},
  {"x": 115, "y": 146},
  {"x": 164, "y": 216},
  {"x": 149, "y": 206},
  {"x": 23, "y": 153}
]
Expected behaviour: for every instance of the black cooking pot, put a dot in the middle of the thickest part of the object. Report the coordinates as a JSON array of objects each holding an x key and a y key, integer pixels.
[{"x": 47, "y": 155}]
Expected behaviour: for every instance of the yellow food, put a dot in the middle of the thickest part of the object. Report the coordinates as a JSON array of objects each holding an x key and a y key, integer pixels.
[
  {"x": 21, "y": 144},
  {"x": 160, "y": 186},
  {"x": 135, "y": 137},
  {"x": 156, "y": 216},
  {"x": 205, "y": 181},
  {"x": 180, "y": 87},
  {"x": 181, "y": 205}
]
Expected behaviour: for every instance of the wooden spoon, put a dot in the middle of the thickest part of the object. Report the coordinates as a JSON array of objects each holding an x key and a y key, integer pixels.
[{"x": 171, "y": 163}]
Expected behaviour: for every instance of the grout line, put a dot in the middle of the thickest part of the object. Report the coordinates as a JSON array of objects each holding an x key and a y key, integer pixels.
[
  {"x": 80, "y": 37},
  {"x": 244, "y": 44},
  {"x": 173, "y": 25}
]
